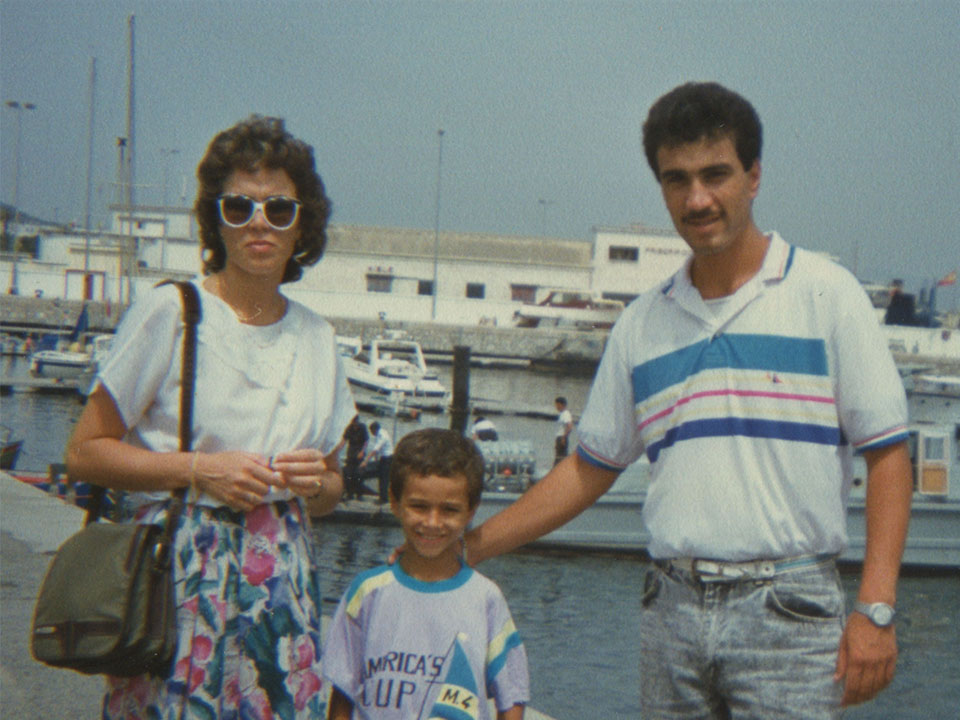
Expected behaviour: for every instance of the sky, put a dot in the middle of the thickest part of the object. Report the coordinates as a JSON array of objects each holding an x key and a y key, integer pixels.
[{"x": 540, "y": 103}]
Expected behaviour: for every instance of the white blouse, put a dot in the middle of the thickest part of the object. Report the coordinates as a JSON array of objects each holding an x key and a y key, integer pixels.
[{"x": 263, "y": 389}]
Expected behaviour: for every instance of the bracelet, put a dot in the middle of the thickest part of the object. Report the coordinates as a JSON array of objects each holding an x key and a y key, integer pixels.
[{"x": 194, "y": 493}]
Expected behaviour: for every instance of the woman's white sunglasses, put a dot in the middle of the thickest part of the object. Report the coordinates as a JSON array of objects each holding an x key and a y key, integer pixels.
[{"x": 279, "y": 211}]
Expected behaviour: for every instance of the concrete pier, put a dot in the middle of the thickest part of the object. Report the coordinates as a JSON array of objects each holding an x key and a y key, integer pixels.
[
  {"x": 32, "y": 527},
  {"x": 548, "y": 346}
]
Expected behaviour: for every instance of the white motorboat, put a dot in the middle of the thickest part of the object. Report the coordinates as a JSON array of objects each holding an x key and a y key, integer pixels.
[
  {"x": 579, "y": 309},
  {"x": 392, "y": 366},
  {"x": 74, "y": 361}
]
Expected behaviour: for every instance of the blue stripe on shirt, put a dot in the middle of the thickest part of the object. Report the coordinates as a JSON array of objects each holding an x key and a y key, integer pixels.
[
  {"x": 731, "y": 426},
  {"x": 772, "y": 353}
]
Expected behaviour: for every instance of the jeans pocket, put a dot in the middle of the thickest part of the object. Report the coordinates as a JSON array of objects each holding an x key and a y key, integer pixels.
[
  {"x": 817, "y": 603},
  {"x": 652, "y": 582}
]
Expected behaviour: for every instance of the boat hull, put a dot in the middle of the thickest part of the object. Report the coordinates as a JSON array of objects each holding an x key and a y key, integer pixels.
[{"x": 59, "y": 365}]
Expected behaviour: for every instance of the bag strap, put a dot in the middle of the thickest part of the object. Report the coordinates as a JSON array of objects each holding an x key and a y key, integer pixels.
[
  {"x": 191, "y": 317},
  {"x": 188, "y": 382}
]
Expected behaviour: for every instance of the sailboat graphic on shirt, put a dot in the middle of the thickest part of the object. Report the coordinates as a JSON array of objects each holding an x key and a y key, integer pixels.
[{"x": 457, "y": 698}]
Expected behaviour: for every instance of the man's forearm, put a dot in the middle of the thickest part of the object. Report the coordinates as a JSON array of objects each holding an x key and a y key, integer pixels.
[
  {"x": 889, "y": 490},
  {"x": 570, "y": 488}
]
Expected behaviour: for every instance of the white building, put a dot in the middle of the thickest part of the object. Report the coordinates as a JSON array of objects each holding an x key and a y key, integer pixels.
[{"x": 365, "y": 271}]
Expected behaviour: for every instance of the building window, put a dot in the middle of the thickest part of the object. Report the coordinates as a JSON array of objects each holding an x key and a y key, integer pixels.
[
  {"x": 22, "y": 245},
  {"x": 477, "y": 291},
  {"x": 619, "y": 253},
  {"x": 523, "y": 293},
  {"x": 379, "y": 283},
  {"x": 425, "y": 287}
]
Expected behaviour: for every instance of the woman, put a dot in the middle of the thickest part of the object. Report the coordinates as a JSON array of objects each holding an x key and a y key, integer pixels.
[{"x": 271, "y": 405}]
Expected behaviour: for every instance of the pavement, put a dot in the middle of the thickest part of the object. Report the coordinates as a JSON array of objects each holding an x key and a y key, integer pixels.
[{"x": 32, "y": 526}]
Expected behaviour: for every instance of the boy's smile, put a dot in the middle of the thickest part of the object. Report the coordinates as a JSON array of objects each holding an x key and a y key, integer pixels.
[{"x": 434, "y": 512}]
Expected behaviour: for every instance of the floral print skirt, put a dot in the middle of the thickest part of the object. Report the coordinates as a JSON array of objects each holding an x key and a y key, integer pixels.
[{"x": 248, "y": 621}]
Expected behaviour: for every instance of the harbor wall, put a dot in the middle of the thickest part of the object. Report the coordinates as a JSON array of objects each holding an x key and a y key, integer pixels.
[
  {"x": 938, "y": 348},
  {"x": 548, "y": 346}
]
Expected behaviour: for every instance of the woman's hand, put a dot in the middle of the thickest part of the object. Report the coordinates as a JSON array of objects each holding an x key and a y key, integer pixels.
[
  {"x": 239, "y": 480},
  {"x": 303, "y": 471},
  {"x": 311, "y": 475}
]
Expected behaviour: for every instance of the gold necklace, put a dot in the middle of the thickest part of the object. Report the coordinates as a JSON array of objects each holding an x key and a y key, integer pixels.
[{"x": 245, "y": 319}]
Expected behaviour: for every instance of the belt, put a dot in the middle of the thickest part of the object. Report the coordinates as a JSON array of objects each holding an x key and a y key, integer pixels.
[{"x": 721, "y": 571}]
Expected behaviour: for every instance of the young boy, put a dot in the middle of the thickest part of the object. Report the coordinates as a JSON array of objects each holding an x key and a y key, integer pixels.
[{"x": 427, "y": 637}]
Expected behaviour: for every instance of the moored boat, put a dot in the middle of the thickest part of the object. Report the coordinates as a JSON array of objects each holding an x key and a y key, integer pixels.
[
  {"x": 9, "y": 448},
  {"x": 76, "y": 361},
  {"x": 392, "y": 366},
  {"x": 579, "y": 309}
]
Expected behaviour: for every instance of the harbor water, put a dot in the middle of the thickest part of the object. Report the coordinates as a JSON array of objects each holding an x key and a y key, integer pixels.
[{"x": 577, "y": 612}]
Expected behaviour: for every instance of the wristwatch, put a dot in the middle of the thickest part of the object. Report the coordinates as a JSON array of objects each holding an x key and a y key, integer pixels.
[{"x": 880, "y": 613}]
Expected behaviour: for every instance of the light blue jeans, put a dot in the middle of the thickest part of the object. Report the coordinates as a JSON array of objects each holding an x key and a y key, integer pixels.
[{"x": 763, "y": 649}]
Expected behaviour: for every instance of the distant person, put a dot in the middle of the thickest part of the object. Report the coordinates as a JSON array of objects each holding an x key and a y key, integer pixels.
[
  {"x": 748, "y": 379},
  {"x": 427, "y": 633},
  {"x": 270, "y": 408},
  {"x": 484, "y": 430},
  {"x": 564, "y": 428},
  {"x": 901, "y": 308},
  {"x": 356, "y": 437},
  {"x": 377, "y": 455}
]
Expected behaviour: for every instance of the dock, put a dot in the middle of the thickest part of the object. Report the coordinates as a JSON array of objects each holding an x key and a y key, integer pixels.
[{"x": 20, "y": 383}]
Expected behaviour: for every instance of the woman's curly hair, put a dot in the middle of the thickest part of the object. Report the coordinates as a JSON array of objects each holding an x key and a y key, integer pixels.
[{"x": 261, "y": 142}]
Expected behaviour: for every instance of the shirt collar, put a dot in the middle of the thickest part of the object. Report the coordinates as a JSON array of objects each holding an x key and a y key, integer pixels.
[{"x": 776, "y": 265}]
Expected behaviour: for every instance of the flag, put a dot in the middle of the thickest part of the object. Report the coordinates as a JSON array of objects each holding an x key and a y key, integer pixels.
[
  {"x": 458, "y": 696},
  {"x": 948, "y": 279},
  {"x": 83, "y": 322}
]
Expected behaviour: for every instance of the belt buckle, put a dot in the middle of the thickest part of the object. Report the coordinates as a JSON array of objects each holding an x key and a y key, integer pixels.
[
  {"x": 709, "y": 570},
  {"x": 715, "y": 571}
]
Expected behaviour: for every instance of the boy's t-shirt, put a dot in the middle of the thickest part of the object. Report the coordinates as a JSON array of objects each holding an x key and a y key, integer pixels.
[{"x": 399, "y": 647}]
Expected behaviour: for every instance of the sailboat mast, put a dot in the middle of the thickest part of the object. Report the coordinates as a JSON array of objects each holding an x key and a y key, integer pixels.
[
  {"x": 87, "y": 284},
  {"x": 130, "y": 250}
]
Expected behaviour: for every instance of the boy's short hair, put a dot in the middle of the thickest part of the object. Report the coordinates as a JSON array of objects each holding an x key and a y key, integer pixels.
[
  {"x": 435, "y": 451},
  {"x": 695, "y": 111},
  {"x": 562, "y": 400}
]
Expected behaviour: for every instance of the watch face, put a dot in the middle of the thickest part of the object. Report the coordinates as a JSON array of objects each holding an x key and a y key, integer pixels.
[{"x": 882, "y": 614}]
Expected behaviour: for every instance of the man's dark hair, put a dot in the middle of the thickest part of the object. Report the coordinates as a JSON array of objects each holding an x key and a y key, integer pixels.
[
  {"x": 253, "y": 143},
  {"x": 435, "y": 451},
  {"x": 695, "y": 111}
]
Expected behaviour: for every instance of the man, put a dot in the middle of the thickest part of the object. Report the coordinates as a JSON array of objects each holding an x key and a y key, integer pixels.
[
  {"x": 748, "y": 379},
  {"x": 484, "y": 430},
  {"x": 379, "y": 453},
  {"x": 564, "y": 428},
  {"x": 356, "y": 436}
]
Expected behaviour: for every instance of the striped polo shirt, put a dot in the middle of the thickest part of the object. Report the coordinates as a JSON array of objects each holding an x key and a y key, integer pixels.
[{"x": 748, "y": 408}]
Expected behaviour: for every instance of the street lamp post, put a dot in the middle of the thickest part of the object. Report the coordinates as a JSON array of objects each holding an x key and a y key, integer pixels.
[
  {"x": 436, "y": 227},
  {"x": 19, "y": 107}
]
